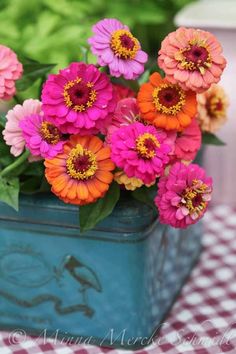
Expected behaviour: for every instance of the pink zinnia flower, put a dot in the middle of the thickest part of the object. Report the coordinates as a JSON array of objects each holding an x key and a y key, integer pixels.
[
  {"x": 13, "y": 133},
  {"x": 42, "y": 138},
  {"x": 187, "y": 143},
  {"x": 79, "y": 99},
  {"x": 140, "y": 151},
  {"x": 122, "y": 91},
  {"x": 126, "y": 113},
  {"x": 183, "y": 195},
  {"x": 115, "y": 46},
  {"x": 10, "y": 71},
  {"x": 192, "y": 58}
]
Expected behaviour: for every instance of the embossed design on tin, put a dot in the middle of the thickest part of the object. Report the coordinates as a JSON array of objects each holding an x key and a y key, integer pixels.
[{"x": 22, "y": 267}]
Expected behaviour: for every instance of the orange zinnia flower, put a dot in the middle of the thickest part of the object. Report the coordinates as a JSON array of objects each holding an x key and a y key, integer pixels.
[
  {"x": 82, "y": 173},
  {"x": 166, "y": 105}
]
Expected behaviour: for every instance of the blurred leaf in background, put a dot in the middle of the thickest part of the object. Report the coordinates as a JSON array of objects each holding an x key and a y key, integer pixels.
[{"x": 52, "y": 31}]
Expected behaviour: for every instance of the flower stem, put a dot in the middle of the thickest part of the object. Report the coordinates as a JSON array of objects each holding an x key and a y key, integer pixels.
[{"x": 15, "y": 164}]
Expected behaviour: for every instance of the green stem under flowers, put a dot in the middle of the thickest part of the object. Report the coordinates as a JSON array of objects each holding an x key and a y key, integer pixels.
[{"x": 7, "y": 170}]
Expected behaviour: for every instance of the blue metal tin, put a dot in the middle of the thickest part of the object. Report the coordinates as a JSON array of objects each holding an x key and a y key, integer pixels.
[{"x": 110, "y": 286}]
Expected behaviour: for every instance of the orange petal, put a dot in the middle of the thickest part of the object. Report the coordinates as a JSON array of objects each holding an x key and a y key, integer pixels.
[
  {"x": 105, "y": 177},
  {"x": 92, "y": 189},
  {"x": 82, "y": 190},
  {"x": 155, "y": 79},
  {"x": 95, "y": 144},
  {"x": 103, "y": 154},
  {"x": 106, "y": 165}
]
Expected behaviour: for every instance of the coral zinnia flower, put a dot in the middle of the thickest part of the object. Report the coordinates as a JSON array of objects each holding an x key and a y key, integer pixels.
[
  {"x": 212, "y": 108},
  {"x": 187, "y": 143},
  {"x": 10, "y": 71},
  {"x": 13, "y": 133},
  {"x": 183, "y": 195},
  {"x": 192, "y": 58},
  {"x": 82, "y": 173},
  {"x": 41, "y": 137},
  {"x": 79, "y": 99},
  {"x": 140, "y": 151},
  {"x": 166, "y": 105},
  {"x": 115, "y": 46}
]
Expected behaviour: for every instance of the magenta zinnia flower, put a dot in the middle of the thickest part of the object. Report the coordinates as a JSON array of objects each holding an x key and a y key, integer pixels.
[
  {"x": 187, "y": 143},
  {"x": 140, "y": 151},
  {"x": 42, "y": 138},
  {"x": 115, "y": 46},
  {"x": 192, "y": 58},
  {"x": 10, "y": 71},
  {"x": 12, "y": 133},
  {"x": 183, "y": 195},
  {"x": 79, "y": 99}
]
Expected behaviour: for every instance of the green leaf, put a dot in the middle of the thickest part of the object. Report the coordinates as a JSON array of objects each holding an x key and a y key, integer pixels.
[
  {"x": 32, "y": 72},
  {"x": 2, "y": 120},
  {"x": 211, "y": 139},
  {"x": 9, "y": 191},
  {"x": 144, "y": 77},
  {"x": 91, "y": 214},
  {"x": 145, "y": 195}
]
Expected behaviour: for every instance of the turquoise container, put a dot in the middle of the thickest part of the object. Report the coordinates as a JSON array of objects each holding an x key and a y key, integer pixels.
[{"x": 111, "y": 286}]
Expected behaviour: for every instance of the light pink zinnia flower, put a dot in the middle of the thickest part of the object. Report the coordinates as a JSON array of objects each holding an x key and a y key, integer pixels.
[
  {"x": 10, "y": 71},
  {"x": 183, "y": 195},
  {"x": 115, "y": 46},
  {"x": 140, "y": 151},
  {"x": 41, "y": 137},
  {"x": 192, "y": 58},
  {"x": 12, "y": 133},
  {"x": 187, "y": 143},
  {"x": 79, "y": 99}
]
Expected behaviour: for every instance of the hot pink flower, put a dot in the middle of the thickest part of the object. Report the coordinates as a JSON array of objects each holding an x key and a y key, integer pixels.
[
  {"x": 183, "y": 195},
  {"x": 115, "y": 46},
  {"x": 10, "y": 71},
  {"x": 187, "y": 143},
  {"x": 140, "y": 151},
  {"x": 126, "y": 113},
  {"x": 41, "y": 137},
  {"x": 79, "y": 99},
  {"x": 13, "y": 133},
  {"x": 192, "y": 58}
]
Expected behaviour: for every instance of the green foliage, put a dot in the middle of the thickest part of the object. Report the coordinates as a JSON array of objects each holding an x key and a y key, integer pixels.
[
  {"x": 9, "y": 191},
  {"x": 91, "y": 214},
  {"x": 146, "y": 195},
  {"x": 33, "y": 71},
  {"x": 211, "y": 139},
  {"x": 54, "y": 31}
]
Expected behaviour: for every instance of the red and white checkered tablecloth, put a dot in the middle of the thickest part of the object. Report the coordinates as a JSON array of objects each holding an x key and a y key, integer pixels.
[{"x": 202, "y": 321}]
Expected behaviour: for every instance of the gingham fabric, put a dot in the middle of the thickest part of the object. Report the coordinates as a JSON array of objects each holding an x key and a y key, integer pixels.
[{"x": 203, "y": 319}]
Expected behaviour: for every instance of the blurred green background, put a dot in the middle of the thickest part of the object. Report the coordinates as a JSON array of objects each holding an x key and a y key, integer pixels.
[{"x": 52, "y": 31}]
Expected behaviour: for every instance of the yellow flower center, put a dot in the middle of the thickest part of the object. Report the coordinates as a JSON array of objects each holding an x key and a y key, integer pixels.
[
  {"x": 216, "y": 107},
  {"x": 81, "y": 163},
  {"x": 124, "y": 44},
  {"x": 195, "y": 56},
  {"x": 192, "y": 197},
  {"x": 79, "y": 95},
  {"x": 146, "y": 145},
  {"x": 50, "y": 133},
  {"x": 168, "y": 98}
]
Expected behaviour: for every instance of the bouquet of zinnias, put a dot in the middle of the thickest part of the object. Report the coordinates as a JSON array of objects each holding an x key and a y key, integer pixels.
[{"x": 99, "y": 138}]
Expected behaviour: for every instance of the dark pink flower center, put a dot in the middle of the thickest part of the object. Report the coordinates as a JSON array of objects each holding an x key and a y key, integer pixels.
[
  {"x": 79, "y": 94},
  {"x": 50, "y": 133},
  {"x": 197, "y": 200},
  {"x": 82, "y": 163},
  {"x": 196, "y": 54},
  {"x": 150, "y": 145},
  {"x": 169, "y": 96},
  {"x": 127, "y": 42}
]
